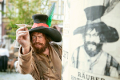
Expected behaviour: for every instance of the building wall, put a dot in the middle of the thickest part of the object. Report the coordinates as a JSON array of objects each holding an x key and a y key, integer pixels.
[
  {"x": 1, "y": 20},
  {"x": 0, "y": 23},
  {"x": 4, "y": 21}
]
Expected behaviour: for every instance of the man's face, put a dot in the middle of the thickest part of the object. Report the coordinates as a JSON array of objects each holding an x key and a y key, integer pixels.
[
  {"x": 92, "y": 42},
  {"x": 38, "y": 41}
]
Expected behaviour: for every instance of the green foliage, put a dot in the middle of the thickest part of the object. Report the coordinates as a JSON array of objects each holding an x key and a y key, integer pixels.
[{"x": 21, "y": 12}]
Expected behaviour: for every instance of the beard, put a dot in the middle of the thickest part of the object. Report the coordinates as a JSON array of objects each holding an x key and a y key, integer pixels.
[
  {"x": 92, "y": 48},
  {"x": 41, "y": 49}
]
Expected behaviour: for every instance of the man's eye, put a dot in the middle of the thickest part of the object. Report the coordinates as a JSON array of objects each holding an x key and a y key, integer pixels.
[
  {"x": 33, "y": 37},
  {"x": 95, "y": 34},
  {"x": 40, "y": 36}
]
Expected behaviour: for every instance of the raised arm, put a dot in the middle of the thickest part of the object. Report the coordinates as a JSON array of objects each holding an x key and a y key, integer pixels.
[
  {"x": 23, "y": 38},
  {"x": 24, "y": 64}
]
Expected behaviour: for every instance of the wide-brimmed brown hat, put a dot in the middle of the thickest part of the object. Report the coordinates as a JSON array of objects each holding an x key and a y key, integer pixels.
[{"x": 41, "y": 26}]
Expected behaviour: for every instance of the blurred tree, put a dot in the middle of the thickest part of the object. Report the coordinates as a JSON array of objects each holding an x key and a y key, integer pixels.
[{"x": 21, "y": 12}]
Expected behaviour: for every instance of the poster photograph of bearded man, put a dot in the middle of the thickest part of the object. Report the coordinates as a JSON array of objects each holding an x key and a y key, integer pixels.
[{"x": 90, "y": 57}]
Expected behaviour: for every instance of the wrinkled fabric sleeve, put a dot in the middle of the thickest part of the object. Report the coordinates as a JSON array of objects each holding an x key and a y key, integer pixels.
[{"x": 24, "y": 64}]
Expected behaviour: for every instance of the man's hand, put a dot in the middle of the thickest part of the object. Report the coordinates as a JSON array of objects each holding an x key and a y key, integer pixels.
[{"x": 23, "y": 38}]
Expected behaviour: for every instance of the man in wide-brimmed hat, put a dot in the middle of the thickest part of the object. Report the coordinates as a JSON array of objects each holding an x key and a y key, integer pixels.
[
  {"x": 90, "y": 57},
  {"x": 37, "y": 55}
]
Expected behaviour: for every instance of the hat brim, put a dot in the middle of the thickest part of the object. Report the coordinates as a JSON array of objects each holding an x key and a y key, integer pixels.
[
  {"x": 110, "y": 33},
  {"x": 52, "y": 33}
]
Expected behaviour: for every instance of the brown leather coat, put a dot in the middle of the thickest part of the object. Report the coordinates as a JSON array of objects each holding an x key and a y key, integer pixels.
[{"x": 41, "y": 66}]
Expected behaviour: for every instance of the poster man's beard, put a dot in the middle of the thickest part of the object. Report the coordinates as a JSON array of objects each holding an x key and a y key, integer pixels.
[
  {"x": 39, "y": 50},
  {"x": 92, "y": 53}
]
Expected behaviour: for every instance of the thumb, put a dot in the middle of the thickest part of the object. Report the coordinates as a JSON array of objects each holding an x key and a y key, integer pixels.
[{"x": 26, "y": 29}]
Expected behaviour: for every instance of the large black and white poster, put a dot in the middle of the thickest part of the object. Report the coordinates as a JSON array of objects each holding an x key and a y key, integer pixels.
[{"x": 91, "y": 45}]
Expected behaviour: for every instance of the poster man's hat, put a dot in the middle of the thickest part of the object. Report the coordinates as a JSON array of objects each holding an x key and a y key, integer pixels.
[
  {"x": 110, "y": 33},
  {"x": 94, "y": 13},
  {"x": 41, "y": 26}
]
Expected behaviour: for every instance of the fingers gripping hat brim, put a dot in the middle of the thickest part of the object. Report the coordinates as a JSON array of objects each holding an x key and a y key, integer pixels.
[{"x": 52, "y": 33}]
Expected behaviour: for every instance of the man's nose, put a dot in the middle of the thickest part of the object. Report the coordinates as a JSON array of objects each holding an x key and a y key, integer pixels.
[
  {"x": 37, "y": 39},
  {"x": 92, "y": 38}
]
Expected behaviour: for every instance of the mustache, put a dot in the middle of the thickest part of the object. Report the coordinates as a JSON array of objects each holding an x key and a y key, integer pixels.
[
  {"x": 93, "y": 43},
  {"x": 37, "y": 43}
]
